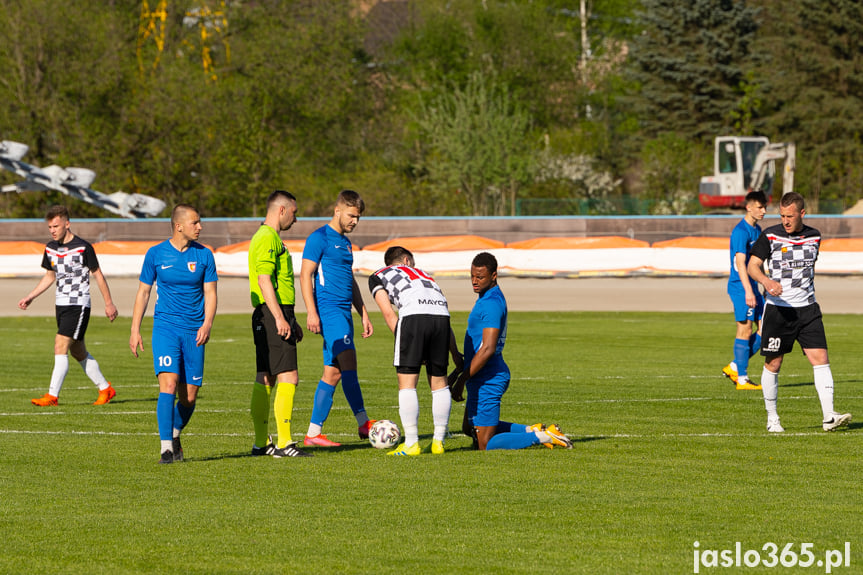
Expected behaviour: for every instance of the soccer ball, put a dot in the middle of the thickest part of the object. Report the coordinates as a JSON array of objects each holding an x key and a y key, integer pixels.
[{"x": 384, "y": 434}]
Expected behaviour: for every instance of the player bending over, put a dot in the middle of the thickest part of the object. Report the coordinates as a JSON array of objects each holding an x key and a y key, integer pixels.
[{"x": 422, "y": 336}]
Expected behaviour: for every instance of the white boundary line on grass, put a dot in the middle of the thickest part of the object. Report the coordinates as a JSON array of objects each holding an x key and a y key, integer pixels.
[
  {"x": 573, "y": 436},
  {"x": 103, "y": 411}
]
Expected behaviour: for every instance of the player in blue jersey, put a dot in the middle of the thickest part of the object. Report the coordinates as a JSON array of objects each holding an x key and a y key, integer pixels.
[
  {"x": 486, "y": 374},
  {"x": 329, "y": 290},
  {"x": 744, "y": 293},
  {"x": 184, "y": 272}
]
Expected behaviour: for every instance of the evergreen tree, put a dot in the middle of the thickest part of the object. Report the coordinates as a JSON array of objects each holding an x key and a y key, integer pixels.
[
  {"x": 691, "y": 62},
  {"x": 813, "y": 92}
]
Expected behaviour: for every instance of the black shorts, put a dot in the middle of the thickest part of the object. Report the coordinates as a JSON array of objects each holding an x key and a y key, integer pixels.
[
  {"x": 273, "y": 353},
  {"x": 782, "y": 326},
  {"x": 422, "y": 339},
  {"x": 72, "y": 320}
]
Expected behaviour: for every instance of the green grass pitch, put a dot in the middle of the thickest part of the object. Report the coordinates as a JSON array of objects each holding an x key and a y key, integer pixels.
[{"x": 666, "y": 453}]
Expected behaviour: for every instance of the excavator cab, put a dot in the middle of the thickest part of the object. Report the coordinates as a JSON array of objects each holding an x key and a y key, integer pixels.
[{"x": 734, "y": 171}]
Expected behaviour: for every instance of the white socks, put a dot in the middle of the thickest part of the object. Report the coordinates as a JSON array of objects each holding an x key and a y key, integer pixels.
[
  {"x": 61, "y": 368},
  {"x": 441, "y": 405},
  {"x": 824, "y": 387},
  {"x": 770, "y": 389},
  {"x": 409, "y": 411},
  {"x": 91, "y": 368}
]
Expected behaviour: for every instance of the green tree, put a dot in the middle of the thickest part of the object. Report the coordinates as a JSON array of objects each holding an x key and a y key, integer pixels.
[
  {"x": 672, "y": 167},
  {"x": 691, "y": 62},
  {"x": 477, "y": 144},
  {"x": 813, "y": 93},
  {"x": 63, "y": 88}
]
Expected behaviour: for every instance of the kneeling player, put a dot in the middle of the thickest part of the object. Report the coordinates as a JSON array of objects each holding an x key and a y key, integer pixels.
[{"x": 487, "y": 376}]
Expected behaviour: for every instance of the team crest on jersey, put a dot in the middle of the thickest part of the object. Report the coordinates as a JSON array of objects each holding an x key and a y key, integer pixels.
[{"x": 191, "y": 266}]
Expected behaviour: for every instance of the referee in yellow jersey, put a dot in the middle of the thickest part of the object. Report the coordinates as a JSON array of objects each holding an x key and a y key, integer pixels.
[{"x": 276, "y": 331}]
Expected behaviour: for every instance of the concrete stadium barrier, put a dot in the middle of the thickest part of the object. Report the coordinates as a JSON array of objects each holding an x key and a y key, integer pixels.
[{"x": 567, "y": 257}]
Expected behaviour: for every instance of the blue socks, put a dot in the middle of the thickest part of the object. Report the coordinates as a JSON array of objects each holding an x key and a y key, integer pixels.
[
  {"x": 182, "y": 415},
  {"x": 507, "y": 427},
  {"x": 511, "y": 436},
  {"x": 353, "y": 393},
  {"x": 165, "y": 416},
  {"x": 324, "y": 402},
  {"x": 744, "y": 349},
  {"x": 741, "y": 355},
  {"x": 512, "y": 440},
  {"x": 754, "y": 343}
]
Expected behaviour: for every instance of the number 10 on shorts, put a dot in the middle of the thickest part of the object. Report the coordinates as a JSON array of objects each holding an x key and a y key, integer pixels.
[{"x": 165, "y": 361}]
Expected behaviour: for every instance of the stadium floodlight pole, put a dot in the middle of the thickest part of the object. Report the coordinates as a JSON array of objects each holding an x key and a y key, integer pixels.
[{"x": 74, "y": 182}]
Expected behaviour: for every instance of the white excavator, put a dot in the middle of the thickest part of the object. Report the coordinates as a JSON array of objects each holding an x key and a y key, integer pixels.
[{"x": 742, "y": 164}]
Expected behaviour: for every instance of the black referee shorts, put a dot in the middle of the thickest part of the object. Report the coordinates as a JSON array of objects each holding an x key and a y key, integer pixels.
[
  {"x": 782, "y": 326},
  {"x": 273, "y": 353}
]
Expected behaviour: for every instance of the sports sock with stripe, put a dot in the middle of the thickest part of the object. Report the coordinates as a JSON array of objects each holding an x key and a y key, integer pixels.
[
  {"x": 283, "y": 407},
  {"x": 260, "y": 411}
]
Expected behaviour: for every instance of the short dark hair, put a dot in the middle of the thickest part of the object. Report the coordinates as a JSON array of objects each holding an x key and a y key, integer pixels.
[
  {"x": 395, "y": 253},
  {"x": 57, "y": 211},
  {"x": 757, "y": 196},
  {"x": 179, "y": 210},
  {"x": 485, "y": 260},
  {"x": 351, "y": 199},
  {"x": 792, "y": 198},
  {"x": 280, "y": 195}
]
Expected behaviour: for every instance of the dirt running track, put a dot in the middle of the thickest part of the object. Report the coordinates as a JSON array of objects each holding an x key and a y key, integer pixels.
[{"x": 835, "y": 294}]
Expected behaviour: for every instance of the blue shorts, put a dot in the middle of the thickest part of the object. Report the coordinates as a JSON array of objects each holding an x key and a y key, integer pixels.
[
  {"x": 743, "y": 312},
  {"x": 483, "y": 400},
  {"x": 175, "y": 351},
  {"x": 338, "y": 330}
]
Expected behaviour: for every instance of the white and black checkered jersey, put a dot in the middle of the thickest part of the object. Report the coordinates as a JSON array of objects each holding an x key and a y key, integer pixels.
[
  {"x": 410, "y": 290},
  {"x": 72, "y": 262},
  {"x": 790, "y": 260}
]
